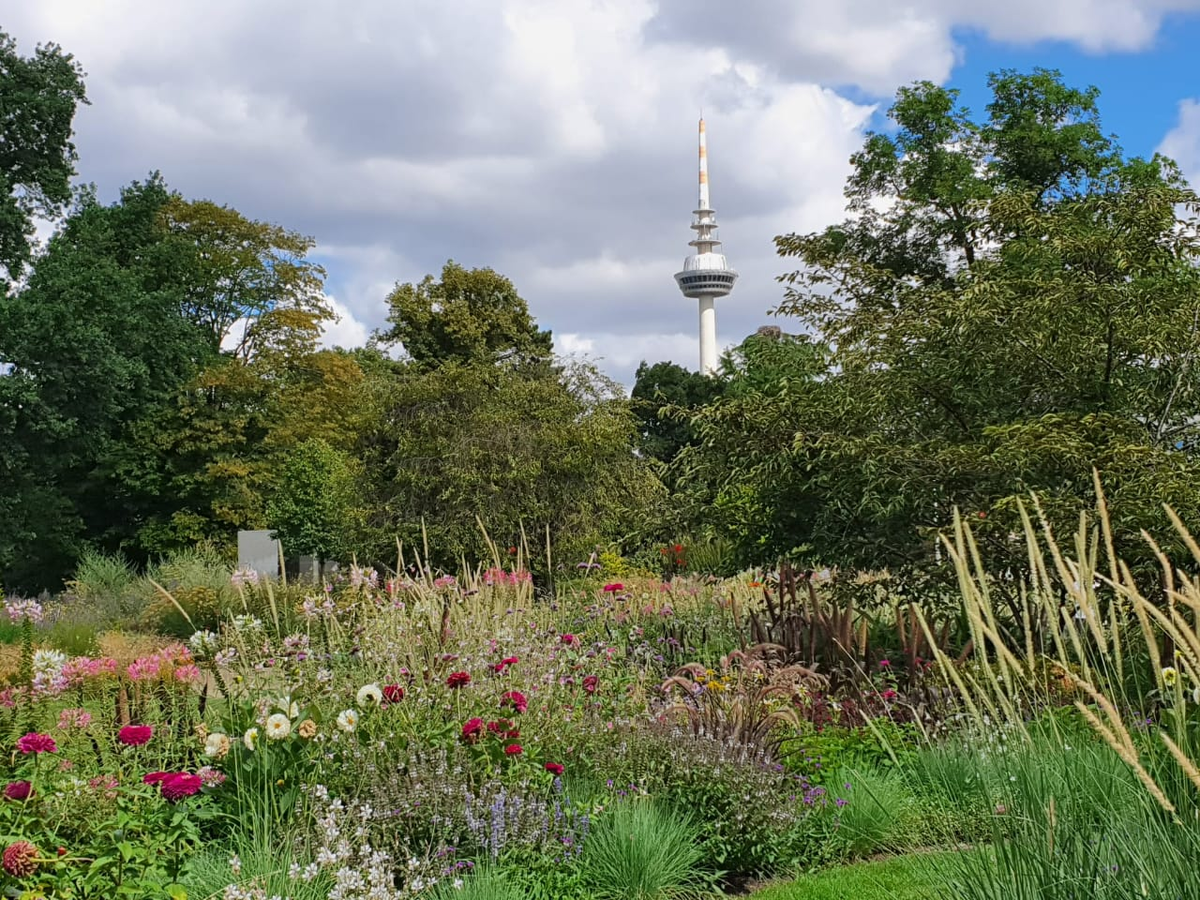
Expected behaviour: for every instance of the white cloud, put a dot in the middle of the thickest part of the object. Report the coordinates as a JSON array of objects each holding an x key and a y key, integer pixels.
[
  {"x": 550, "y": 139},
  {"x": 1182, "y": 143},
  {"x": 345, "y": 330}
]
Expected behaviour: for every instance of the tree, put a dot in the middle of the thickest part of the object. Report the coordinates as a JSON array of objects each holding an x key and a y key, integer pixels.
[
  {"x": 38, "y": 99},
  {"x": 313, "y": 511},
  {"x": 664, "y": 397},
  {"x": 1010, "y": 303},
  {"x": 469, "y": 316}
]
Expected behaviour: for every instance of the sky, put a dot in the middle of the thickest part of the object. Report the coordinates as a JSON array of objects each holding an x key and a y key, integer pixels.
[{"x": 555, "y": 140}]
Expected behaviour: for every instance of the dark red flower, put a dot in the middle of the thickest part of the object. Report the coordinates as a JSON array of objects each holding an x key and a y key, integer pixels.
[
  {"x": 512, "y": 551},
  {"x": 554, "y": 768},
  {"x": 458, "y": 679},
  {"x": 154, "y": 777},
  {"x": 590, "y": 683},
  {"x": 393, "y": 693},
  {"x": 510, "y": 660},
  {"x": 18, "y": 790},
  {"x": 567, "y": 639},
  {"x": 135, "y": 735},
  {"x": 20, "y": 859},
  {"x": 504, "y": 728},
  {"x": 513, "y": 750},
  {"x": 178, "y": 785},
  {"x": 498, "y": 667},
  {"x": 471, "y": 730},
  {"x": 36, "y": 743},
  {"x": 614, "y": 587},
  {"x": 516, "y": 699}
]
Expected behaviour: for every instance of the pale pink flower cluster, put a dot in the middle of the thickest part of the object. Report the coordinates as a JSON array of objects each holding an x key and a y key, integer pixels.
[
  {"x": 75, "y": 717},
  {"x": 360, "y": 577},
  {"x": 81, "y": 668},
  {"x": 166, "y": 663},
  {"x": 497, "y": 576},
  {"x": 243, "y": 577},
  {"x": 19, "y": 610}
]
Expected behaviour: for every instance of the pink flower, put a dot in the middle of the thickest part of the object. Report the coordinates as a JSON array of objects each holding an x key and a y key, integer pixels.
[
  {"x": 513, "y": 750},
  {"x": 554, "y": 768},
  {"x": 154, "y": 777},
  {"x": 613, "y": 588},
  {"x": 889, "y": 694},
  {"x": 188, "y": 674},
  {"x": 591, "y": 683},
  {"x": 516, "y": 699},
  {"x": 884, "y": 663},
  {"x": 211, "y": 777},
  {"x": 504, "y": 728},
  {"x": 74, "y": 718},
  {"x": 568, "y": 639},
  {"x": 472, "y": 729},
  {"x": 135, "y": 735},
  {"x": 510, "y": 661},
  {"x": 458, "y": 679},
  {"x": 36, "y": 743},
  {"x": 18, "y": 790},
  {"x": 106, "y": 784},
  {"x": 178, "y": 785}
]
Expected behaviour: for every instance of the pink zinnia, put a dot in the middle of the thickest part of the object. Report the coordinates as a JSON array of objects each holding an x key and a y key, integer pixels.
[
  {"x": 613, "y": 588},
  {"x": 18, "y": 790},
  {"x": 513, "y": 750},
  {"x": 510, "y": 661},
  {"x": 516, "y": 699},
  {"x": 568, "y": 639},
  {"x": 135, "y": 735},
  {"x": 458, "y": 679},
  {"x": 155, "y": 777},
  {"x": 36, "y": 743},
  {"x": 590, "y": 683},
  {"x": 554, "y": 768},
  {"x": 178, "y": 785}
]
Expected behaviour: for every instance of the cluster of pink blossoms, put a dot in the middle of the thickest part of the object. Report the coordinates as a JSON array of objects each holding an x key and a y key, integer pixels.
[
  {"x": 173, "y": 662},
  {"x": 84, "y": 668},
  {"x": 497, "y": 576}
]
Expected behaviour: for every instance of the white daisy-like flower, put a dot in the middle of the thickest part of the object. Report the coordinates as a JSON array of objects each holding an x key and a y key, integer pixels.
[
  {"x": 250, "y": 739},
  {"x": 347, "y": 720},
  {"x": 278, "y": 727},
  {"x": 369, "y": 695},
  {"x": 289, "y": 706},
  {"x": 216, "y": 745}
]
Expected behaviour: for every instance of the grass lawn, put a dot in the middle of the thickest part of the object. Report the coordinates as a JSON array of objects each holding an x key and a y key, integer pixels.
[{"x": 913, "y": 877}]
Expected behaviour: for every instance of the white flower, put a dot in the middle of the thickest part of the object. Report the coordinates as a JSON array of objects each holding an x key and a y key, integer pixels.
[
  {"x": 235, "y": 864},
  {"x": 369, "y": 695},
  {"x": 458, "y": 884},
  {"x": 1196, "y": 695},
  {"x": 247, "y": 623},
  {"x": 203, "y": 643},
  {"x": 278, "y": 727},
  {"x": 289, "y": 706},
  {"x": 347, "y": 720},
  {"x": 216, "y": 745},
  {"x": 48, "y": 662},
  {"x": 1170, "y": 676},
  {"x": 250, "y": 739}
]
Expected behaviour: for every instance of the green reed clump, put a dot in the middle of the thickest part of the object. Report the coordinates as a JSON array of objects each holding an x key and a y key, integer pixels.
[{"x": 640, "y": 851}]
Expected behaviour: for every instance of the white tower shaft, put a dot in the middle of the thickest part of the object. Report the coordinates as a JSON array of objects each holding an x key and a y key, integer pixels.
[
  {"x": 708, "y": 335},
  {"x": 703, "y": 169}
]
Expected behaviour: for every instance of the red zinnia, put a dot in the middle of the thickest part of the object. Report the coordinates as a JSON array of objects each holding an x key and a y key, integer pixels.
[
  {"x": 458, "y": 679},
  {"x": 568, "y": 639},
  {"x": 679, "y": 548},
  {"x": 513, "y": 750},
  {"x": 154, "y": 777},
  {"x": 554, "y": 768},
  {"x": 135, "y": 735},
  {"x": 613, "y": 588},
  {"x": 18, "y": 790},
  {"x": 510, "y": 661},
  {"x": 590, "y": 683},
  {"x": 178, "y": 785},
  {"x": 472, "y": 729},
  {"x": 20, "y": 859},
  {"x": 517, "y": 699},
  {"x": 393, "y": 693},
  {"x": 504, "y": 728}
]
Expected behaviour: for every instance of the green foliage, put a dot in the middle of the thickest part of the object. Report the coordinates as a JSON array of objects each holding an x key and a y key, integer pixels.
[
  {"x": 459, "y": 445},
  {"x": 484, "y": 884},
  {"x": 39, "y": 95},
  {"x": 470, "y": 316},
  {"x": 921, "y": 876},
  {"x": 639, "y": 851},
  {"x": 314, "y": 509},
  {"x": 878, "y": 810},
  {"x": 664, "y": 397}
]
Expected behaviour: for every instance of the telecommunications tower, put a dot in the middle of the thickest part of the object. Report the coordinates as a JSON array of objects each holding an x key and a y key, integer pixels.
[{"x": 706, "y": 274}]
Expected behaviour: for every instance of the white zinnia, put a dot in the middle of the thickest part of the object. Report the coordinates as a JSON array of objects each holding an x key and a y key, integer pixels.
[
  {"x": 278, "y": 727},
  {"x": 250, "y": 739},
  {"x": 347, "y": 720},
  {"x": 369, "y": 695},
  {"x": 216, "y": 745}
]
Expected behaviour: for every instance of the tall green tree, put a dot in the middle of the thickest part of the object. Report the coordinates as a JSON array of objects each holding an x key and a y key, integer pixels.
[
  {"x": 468, "y": 316},
  {"x": 314, "y": 509},
  {"x": 1010, "y": 303},
  {"x": 664, "y": 397},
  {"x": 38, "y": 98}
]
